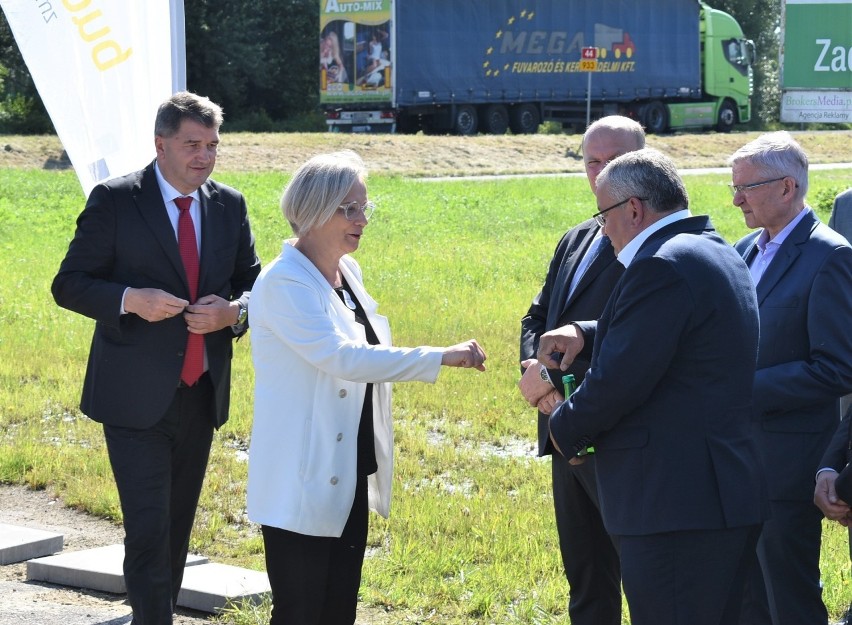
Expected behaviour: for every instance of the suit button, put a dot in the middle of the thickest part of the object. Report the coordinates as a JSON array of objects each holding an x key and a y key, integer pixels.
[
  {"x": 339, "y": 437},
  {"x": 334, "y": 481},
  {"x": 342, "y": 393}
]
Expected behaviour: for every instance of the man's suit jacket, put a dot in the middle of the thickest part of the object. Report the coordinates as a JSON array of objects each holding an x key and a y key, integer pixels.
[
  {"x": 667, "y": 399},
  {"x": 839, "y": 451},
  {"x": 124, "y": 239},
  {"x": 552, "y": 307},
  {"x": 805, "y": 357},
  {"x": 841, "y": 215}
]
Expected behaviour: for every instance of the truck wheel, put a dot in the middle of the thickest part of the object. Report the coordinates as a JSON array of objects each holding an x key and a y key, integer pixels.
[
  {"x": 465, "y": 122},
  {"x": 727, "y": 117},
  {"x": 496, "y": 119},
  {"x": 656, "y": 117},
  {"x": 524, "y": 119}
]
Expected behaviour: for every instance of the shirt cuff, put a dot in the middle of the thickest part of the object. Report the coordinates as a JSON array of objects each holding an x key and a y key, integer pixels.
[{"x": 823, "y": 470}]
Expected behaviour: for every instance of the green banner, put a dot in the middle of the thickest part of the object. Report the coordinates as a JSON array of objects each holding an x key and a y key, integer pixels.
[{"x": 817, "y": 45}]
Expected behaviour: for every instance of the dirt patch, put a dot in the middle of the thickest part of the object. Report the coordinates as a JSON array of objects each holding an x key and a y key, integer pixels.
[
  {"x": 419, "y": 155},
  {"x": 36, "y": 603}
]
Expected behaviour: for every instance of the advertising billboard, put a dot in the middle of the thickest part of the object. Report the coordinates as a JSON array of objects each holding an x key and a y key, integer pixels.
[
  {"x": 355, "y": 51},
  {"x": 816, "y": 62}
]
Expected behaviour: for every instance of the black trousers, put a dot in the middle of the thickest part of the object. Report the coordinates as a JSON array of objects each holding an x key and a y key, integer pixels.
[
  {"x": 695, "y": 577},
  {"x": 315, "y": 579},
  {"x": 159, "y": 472},
  {"x": 589, "y": 554},
  {"x": 784, "y": 586}
]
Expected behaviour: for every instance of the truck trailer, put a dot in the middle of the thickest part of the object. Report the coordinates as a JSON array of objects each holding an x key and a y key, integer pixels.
[{"x": 492, "y": 65}]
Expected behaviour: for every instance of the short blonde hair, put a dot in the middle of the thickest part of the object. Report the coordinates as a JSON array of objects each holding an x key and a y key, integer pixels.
[{"x": 319, "y": 187}]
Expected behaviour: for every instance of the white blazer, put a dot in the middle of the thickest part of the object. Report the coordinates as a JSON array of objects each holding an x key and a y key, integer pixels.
[{"x": 312, "y": 364}]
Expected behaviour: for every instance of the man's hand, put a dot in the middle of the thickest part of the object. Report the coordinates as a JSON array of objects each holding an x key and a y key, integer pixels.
[
  {"x": 567, "y": 340},
  {"x": 153, "y": 304},
  {"x": 210, "y": 313},
  {"x": 550, "y": 401},
  {"x": 533, "y": 388},
  {"x": 826, "y": 499}
]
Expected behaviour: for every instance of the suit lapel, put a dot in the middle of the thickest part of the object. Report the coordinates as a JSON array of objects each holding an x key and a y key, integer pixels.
[
  {"x": 569, "y": 267},
  {"x": 211, "y": 210},
  {"x": 149, "y": 201},
  {"x": 605, "y": 257},
  {"x": 785, "y": 256}
]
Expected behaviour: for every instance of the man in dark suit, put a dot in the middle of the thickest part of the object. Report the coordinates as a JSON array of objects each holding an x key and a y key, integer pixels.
[
  {"x": 163, "y": 260},
  {"x": 666, "y": 400},
  {"x": 841, "y": 221},
  {"x": 835, "y": 459},
  {"x": 580, "y": 278},
  {"x": 841, "y": 215},
  {"x": 802, "y": 271}
]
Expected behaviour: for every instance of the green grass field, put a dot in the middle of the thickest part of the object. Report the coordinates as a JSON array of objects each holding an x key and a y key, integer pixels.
[{"x": 471, "y": 537}]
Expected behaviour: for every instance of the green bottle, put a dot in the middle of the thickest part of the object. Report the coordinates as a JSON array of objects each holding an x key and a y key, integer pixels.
[{"x": 569, "y": 385}]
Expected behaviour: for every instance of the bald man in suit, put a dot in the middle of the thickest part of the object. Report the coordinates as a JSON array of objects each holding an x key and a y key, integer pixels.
[{"x": 580, "y": 278}]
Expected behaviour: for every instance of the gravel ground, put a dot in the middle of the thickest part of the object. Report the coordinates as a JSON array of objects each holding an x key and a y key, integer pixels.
[
  {"x": 35, "y": 603},
  {"x": 25, "y": 602}
]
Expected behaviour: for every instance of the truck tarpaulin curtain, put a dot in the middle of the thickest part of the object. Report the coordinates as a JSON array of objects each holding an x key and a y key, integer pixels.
[{"x": 101, "y": 69}]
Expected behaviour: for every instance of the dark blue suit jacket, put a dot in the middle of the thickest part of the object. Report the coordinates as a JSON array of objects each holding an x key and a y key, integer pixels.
[
  {"x": 667, "y": 399},
  {"x": 124, "y": 239},
  {"x": 805, "y": 357},
  {"x": 552, "y": 308}
]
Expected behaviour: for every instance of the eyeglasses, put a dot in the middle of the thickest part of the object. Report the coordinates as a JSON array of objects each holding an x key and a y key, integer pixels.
[
  {"x": 742, "y": 188},
  {"x": 599, "y": 217},
  {"x": 352, "y": 210}
]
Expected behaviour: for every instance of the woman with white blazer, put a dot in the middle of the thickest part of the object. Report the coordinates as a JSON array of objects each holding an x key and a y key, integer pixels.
[{"x": 322, "y": 441}]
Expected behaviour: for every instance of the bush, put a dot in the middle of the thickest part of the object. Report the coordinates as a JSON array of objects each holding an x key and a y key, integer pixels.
[
  {"x": 21, "y": 115},
  {"x": 823, "y": 200},
  {"x": 260, "y": 121}
]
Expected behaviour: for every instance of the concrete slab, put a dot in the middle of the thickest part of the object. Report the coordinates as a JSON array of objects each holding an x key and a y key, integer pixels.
[
  {"x": 23, "y": 543},
  {"x": 209, "y": 587},
  {"x": 98, "y": 569}
]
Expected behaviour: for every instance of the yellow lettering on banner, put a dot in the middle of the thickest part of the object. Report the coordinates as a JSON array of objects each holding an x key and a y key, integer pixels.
[
  {"x": 105, "y": 54},
  {"x": 76, "y": 6},
  {"x": 112, "y": 48},
  {"x": 81, "y": 24}
]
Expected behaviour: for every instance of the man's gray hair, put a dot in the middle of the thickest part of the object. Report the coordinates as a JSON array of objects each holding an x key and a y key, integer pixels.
[
  {"x": 319, "y": 187},
  {"x": 775, "y": 155},
  {"x": 648, "y": 174},
  {"x": 186, "y": 105}
]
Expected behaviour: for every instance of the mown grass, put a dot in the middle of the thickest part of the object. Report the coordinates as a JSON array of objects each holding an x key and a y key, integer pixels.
[{"x": 471, "y": 537}]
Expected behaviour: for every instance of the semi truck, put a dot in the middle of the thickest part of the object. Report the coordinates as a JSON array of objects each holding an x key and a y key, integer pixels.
[{"x": 495, "y": 65}]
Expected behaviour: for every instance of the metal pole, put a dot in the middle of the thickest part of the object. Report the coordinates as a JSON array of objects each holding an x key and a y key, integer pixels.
[{"x": 589, "y": 100}]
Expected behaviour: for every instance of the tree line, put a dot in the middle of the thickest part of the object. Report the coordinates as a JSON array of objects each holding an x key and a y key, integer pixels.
[{"x": 258, "y": 59}]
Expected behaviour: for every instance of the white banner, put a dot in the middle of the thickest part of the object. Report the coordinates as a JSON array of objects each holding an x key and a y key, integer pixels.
[{"x": 102, "y": 68}]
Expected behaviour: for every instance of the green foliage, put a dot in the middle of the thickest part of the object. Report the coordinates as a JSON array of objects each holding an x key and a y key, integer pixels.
[
  {"x": 262, "y": 122},
  {"x": 823, "y": 200},
  {"x": 21, "y": 109},
  {"x": 257, "y": 59},
  {"x": 471, "y": 538}
]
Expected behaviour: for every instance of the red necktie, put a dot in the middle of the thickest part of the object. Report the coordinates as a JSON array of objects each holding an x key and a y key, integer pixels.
[{"x": 193, "y": 361}]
